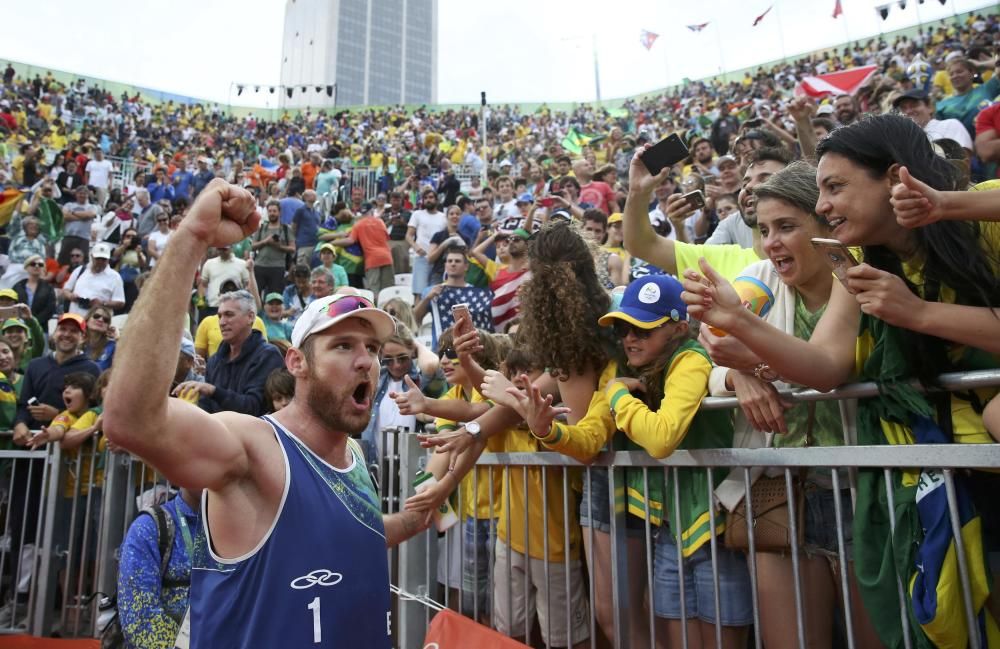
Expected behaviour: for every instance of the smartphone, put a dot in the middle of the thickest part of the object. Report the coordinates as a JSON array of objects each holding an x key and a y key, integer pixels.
[
  {"x": 665, "y": 153},
  {"x": 461, "y": 311},
  {"x": 547, "y": 202},
  {"x": 837, "y": 256},
  {"x": 753, "y": 123},
  {"x": 695, "y": 199},
  {"x": 33, "y": 401},
  {"x": 8, "y": 312}
]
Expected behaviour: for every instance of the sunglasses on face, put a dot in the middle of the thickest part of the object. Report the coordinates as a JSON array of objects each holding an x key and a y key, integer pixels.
[
  {"x": 37, "y": 264},
  {"x": 101, "y": 317},
  {"x": 402, "y": 359},
  {"x": 622, "y": 330},
  {"x": 449, "y": 353}
]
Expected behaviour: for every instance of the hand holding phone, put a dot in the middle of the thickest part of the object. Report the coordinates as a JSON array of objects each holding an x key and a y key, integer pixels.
[
  {"x": 462, "y": 317},
  {"x": 837, "y": 256},
  {"x": 665, "y": 153},
  {"x": 695, "y": 199}
]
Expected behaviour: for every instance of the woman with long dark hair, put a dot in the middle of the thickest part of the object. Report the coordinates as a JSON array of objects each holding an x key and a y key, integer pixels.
[{"x": 922, "y": 303}]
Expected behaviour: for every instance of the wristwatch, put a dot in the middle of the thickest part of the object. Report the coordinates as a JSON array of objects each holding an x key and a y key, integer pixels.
[
  {"x": 473, "y": 428},
  {"x": 764, "y": 372}
]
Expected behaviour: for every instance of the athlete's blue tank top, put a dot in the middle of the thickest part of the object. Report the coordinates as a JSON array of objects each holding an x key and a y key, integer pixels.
[{"x": 320, "y": 577}]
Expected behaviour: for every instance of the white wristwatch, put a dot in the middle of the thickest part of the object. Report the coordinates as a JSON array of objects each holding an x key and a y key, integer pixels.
[{"x": 473, "y": 428}]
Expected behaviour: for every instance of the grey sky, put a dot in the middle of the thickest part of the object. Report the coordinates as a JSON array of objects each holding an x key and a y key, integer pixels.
[{"x": 516, "y": 50}]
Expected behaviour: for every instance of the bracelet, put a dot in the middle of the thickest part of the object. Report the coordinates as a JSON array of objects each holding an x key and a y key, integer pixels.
[{"x": 764, "y": 372}]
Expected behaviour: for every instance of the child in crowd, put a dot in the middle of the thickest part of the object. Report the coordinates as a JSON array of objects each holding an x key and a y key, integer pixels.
[
  {"x": 77, "y": 389},
  {"x": 280, "y": 389},
  {"x": 522, "y": 551}
]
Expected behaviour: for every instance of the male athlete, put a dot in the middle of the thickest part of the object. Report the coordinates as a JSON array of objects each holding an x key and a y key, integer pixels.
[{"x": 296, "y": 537}]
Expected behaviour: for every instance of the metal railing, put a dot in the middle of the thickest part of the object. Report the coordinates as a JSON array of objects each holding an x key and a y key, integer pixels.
[
  {"x": 62, "y": 525},
  {"x": 368, "y": 179}
]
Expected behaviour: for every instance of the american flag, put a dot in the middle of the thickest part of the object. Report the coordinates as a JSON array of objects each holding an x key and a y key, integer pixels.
[
  {"x": 478, "y": 299},
  {"x": 647, "y": 38}
]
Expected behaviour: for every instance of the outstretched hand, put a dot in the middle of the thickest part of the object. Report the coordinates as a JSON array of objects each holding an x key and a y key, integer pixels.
[
  {"x": 710, "y": 297},
  {"x": 538, "y": 411},
  {"x": 222, "y": 214},
  {"x": 915, "y": 203}
]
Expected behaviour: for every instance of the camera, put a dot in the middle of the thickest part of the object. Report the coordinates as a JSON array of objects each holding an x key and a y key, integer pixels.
[
  {"x": 274, "y": 237},
  {"x": 84, "y": 302}
]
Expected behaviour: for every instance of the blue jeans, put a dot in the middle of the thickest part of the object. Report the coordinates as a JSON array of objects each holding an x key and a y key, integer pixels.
[{"x": 479, "y": 540}]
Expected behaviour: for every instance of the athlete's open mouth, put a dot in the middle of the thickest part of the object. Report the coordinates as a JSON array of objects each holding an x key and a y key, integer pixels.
[{"x": 360, "y": 394}]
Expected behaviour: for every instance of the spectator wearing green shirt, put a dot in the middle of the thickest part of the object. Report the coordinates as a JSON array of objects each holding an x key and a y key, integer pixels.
[
  {"x": 277, "y": 327},
  {"x": 968, "y": 100},
  {"x": 327, "y": 254}
]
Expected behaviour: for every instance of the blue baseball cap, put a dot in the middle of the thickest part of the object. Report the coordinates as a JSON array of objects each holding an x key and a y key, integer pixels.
[
  {"x": 525, "y": 198},
  {"x": 187, "y": 347},
  {"x": 649, "y": 302}
]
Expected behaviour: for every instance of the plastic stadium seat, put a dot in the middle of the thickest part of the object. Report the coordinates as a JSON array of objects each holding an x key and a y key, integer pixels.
[
  {"x": 404, "y": 279},
  {"x": 390, "y": 292}
]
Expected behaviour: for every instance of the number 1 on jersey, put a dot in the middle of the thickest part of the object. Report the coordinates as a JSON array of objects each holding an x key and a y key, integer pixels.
[{"x": 317, "y": 627}]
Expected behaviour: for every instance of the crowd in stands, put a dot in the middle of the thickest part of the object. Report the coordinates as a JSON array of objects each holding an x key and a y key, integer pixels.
[{"x": 553, "y": 290}]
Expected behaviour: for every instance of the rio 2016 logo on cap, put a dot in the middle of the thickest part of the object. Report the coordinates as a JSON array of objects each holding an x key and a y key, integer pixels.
[{"x": 649, "y": 294}]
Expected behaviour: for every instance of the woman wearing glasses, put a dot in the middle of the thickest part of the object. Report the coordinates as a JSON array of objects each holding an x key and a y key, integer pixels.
[
  {"x": 402, "y": 357},
  {"x": 35, "y": 291},
  {"x": 99, "y": 345}
]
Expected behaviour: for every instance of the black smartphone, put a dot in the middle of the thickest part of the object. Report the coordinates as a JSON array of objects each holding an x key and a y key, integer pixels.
[{"x": 665, "y": 153}]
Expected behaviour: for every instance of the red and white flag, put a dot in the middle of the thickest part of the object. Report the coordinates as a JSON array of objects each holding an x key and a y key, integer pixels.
[
  {"x": 697, "y": 28},
  {"x": 837, "y": 9},
  {"x": 759, "y": 18},
  {"x": 647, "y": 38},
  {"x": 844, "y": 82}
]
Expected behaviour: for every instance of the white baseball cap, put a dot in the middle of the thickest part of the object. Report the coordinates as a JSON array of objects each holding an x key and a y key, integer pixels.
[
  {"x": 327, "y": 311},
  {"x": 101, "y": 250}
]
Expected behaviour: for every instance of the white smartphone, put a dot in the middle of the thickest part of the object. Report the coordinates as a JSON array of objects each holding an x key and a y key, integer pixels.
[{"x": 837, "y": 256}]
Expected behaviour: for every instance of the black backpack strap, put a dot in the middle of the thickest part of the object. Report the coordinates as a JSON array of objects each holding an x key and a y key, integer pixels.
[{"x": 165, "y": 531}]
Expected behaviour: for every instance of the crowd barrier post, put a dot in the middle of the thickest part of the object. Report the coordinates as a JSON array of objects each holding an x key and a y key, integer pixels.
[
  {"x": 415, "y": 554},
  {"x": 618, "y": 502},
  {"x": 48, "y": 554},
  {"x": 113, "y": 523}
]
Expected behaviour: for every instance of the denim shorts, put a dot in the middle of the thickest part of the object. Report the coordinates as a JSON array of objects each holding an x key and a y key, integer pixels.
[
  {"x": 480, "y": 535},
  {"x": 821, "y": 521},
  {"x": 735, "y": 596},
  {"x": 595, "y": 508}
]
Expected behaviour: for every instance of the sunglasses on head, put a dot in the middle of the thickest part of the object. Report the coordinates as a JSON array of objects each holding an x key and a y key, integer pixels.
[
  {"x": 348, "y": 304},
  {"x": 622, "y": 330},
  {"x": 449, "y": 353}
]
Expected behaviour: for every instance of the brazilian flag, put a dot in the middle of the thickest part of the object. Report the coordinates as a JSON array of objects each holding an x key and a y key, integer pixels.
[
  {"x": 936, "y": 589},
  {"x": 351, "y": 258},
  {"x": 575, "y": 141},
  {"x": 920, "y": 553}
]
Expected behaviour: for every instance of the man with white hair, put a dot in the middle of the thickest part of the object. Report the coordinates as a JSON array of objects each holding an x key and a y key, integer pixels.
[
  {"x": 148, "y": 212},
  {"x": 237, "y": 371}
]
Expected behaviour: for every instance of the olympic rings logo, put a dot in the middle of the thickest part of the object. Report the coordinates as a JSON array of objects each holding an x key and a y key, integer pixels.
[{"x": 321, "y": 577}]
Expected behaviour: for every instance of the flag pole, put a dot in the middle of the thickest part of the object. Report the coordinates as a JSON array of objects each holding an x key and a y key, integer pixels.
[
  {"x": 781, "y": 35},
  {"x": 718, "y": 40},
  {"x": 597, "y": 76}
]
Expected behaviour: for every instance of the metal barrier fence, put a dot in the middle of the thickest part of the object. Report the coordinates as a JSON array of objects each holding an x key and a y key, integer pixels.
[
  {"x": 421, "y": 577},
  {"x": 367, "y": 178},
  {"x": 63, "y": 516}
]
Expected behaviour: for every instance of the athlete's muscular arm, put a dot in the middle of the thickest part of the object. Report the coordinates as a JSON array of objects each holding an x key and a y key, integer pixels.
[
  {"x": 190, "y": 447},
  {"x": 403, "y": 525}
]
